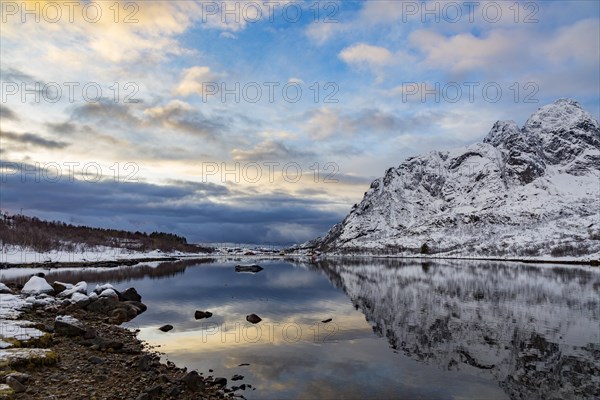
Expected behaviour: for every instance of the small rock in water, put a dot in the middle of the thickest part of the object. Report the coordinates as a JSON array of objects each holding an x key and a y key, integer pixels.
[
  {"x": 243, "y": 365},
  {"x": 237, "y": 377},
  {"x": 166, "y": 328},
  {"x": 220, "y": 381},
  {"x": 253, "y": 318},
  {"x": 202, "y": 314},
  {"x": 327, "y": 320},
  {"x": 248, "y": 268}
]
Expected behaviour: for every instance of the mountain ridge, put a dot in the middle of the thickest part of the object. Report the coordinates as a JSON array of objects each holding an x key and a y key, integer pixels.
[{"x": 530, "y": 191}]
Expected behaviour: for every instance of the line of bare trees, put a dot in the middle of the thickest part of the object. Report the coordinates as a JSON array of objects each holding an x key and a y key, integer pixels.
[{"x": 44, "y": 236}]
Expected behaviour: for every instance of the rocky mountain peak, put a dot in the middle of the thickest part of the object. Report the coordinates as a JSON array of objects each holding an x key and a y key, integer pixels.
[
  {"x": 566, "y": 131},
  {"x": 501, "y": 132},
  {"x": 539, "y": 183}
]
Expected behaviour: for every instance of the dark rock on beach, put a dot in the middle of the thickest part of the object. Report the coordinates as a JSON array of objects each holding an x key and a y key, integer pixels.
[
  {"x": 68, "y": 326},
  {"x": 166, "y": 328}
]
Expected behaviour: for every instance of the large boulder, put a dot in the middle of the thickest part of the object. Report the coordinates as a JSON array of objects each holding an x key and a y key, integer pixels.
[
  {"x": 103, "y": 305},
  {"x": 131, "y": 295},
  {"x": 36, "y": 285},
  {"x": 66, "y": 325},
  {"x": 80, "y": 300}
]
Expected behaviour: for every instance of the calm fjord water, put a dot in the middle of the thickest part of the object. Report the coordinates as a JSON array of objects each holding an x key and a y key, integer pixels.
[{"x": 399, "y": 329}]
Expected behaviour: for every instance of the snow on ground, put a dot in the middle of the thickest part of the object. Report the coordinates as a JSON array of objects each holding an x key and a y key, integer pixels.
[{"x": 20, "y": 255}]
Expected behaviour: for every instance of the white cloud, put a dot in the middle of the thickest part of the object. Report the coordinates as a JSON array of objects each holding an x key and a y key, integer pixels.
[
  {"x": 578, "y": 43},
  {"x": 324, "y": 123},
  {"x": 464, "y": 52},
  {"x": 277, "y": 135},
  {"x": 364, "y": 54},
  {"x": 228, "y": 35},
  {"x": 194, "y": 80}
]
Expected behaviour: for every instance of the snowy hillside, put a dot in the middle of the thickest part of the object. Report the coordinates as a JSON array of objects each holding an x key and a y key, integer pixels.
[{"x": 531, "y": 191}]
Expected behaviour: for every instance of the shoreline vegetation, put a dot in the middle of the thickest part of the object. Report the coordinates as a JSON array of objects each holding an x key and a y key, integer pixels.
[{"x": 190, "y": 257}]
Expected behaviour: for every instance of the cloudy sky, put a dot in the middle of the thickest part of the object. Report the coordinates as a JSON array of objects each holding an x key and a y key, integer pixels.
[{"x": 262, "y": 122}]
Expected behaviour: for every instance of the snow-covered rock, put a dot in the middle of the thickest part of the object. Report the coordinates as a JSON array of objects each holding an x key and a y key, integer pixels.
[
  {"x": 101, "y": 288},
  {"x": 68, "y": 326},
  {"x": 4, "y": 288},
  {"x": 80, "y": 299},
  {"x": 80, "y": 287},
  {"x": 109, "y": 293},
  {"x": 530, "y": 191},
  {"x": 37, "y": 285}
]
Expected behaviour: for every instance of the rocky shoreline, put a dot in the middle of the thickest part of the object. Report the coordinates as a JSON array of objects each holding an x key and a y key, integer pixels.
[
  {"x": 59, "y": 342},
  {"x": 87, "y": 264}
]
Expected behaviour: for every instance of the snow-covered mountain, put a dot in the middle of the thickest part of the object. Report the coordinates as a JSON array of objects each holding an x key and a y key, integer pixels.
[{"x": 531, "y": 191}]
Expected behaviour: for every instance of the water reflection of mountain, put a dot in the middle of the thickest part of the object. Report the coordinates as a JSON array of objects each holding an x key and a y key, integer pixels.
[
  {"x": 120, "y": 274},
  {"x": 536, "y": 330}
]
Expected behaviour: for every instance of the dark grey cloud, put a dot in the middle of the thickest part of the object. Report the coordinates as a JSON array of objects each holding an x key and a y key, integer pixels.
[
  {"x": 371, "y": 121},
  {"x": 182, "y": 117},
  {"x": 175, "y": 116},
  {"x": 7, "y": 114},
  {"x": 62, "y": 127},
  {"x": 272, "y": 150},
  {"x": 33, "y": 140},
  {"x": 189, "y": 208},
  {"x": 15, "y": 75},
  {"x": 106, "y": 111}
]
